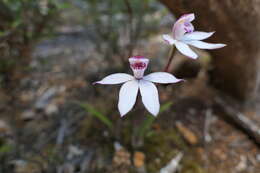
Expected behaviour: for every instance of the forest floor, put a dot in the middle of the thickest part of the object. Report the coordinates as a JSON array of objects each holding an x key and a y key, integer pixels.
[{"x": 46, "y": 128}]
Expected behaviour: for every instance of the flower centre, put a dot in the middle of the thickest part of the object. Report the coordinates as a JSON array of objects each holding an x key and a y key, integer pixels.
[
  {"x": 188, "y": 27},
  {"x": 138, "y": 65}
]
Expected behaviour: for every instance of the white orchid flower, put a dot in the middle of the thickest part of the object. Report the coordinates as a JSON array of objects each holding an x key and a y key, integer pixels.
[
  {"x": 132, "y": 84},
  {"x": 184, "y": 35}
]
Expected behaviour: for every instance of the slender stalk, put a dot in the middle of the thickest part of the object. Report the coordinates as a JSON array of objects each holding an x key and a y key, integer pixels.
[
  {"x": 173, "y": 50},
  {"x": 130, "y": 26},
  {"x": 136, "y": 139}
]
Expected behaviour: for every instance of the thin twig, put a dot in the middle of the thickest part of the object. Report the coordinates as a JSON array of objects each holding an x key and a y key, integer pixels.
[
  {"x": 172, "y": 166},
  {"x": 208, "y": 119},
  {"x": 138, "y": 25},
  {"x": 173, "y": 50},
  {"x": 61, "y": 132},
  {"x": 130, "y": 22}
]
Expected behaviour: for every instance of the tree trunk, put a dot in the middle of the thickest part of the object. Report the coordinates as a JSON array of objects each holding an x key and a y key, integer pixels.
[{"x": 237, "y": 24}]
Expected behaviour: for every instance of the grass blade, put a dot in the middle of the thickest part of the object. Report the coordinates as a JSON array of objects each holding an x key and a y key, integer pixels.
[
  {"x": 97, "y": 115},
  {"x": 146, "y": 125}
]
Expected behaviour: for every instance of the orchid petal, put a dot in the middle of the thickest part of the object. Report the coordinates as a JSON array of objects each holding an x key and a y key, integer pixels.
[
  {"x": 182, "y": 26},
  {"x": 204, "y": 45},
  {"x": 187, "y": 17},
  {"x": 186, "y": 50},
  {"x": 168, "y": 39},
  {"x": 161, "y": 77},
  {"x": 150, "y": 96},
  {"x": 127, "y": 96},
  {"x": 116, "y": 78},
  {"x": 197, "y": 35}
]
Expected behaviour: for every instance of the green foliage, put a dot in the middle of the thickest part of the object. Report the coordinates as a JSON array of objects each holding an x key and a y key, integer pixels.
[
  {"x": 22, "y": 23},
  {"x": 117, "y": 19},
  {"x": 192, "y": 166},
  {"x": 28, "y": 12},
  {"x": 163, "y": 144},
  {"x": 146, "y": 125},
  {"x": 97, "y": 114},
  {"x": 142, "y": 131},
  {"x": 5, "y": 148}
]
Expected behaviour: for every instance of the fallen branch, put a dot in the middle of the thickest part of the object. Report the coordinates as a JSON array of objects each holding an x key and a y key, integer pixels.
[{"x": 238, "y": 118}]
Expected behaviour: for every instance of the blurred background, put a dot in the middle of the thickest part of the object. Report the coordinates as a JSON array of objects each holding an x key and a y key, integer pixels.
[{"x": 53, "y": 120}]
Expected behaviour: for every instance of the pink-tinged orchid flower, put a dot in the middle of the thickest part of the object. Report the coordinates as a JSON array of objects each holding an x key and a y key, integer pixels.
[
  {"x": 132, "y": 84},
  {"x": 184, "y": 35}
]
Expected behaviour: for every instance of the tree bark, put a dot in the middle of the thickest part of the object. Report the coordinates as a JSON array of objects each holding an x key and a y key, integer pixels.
[{"x": 237, "y": 25}]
